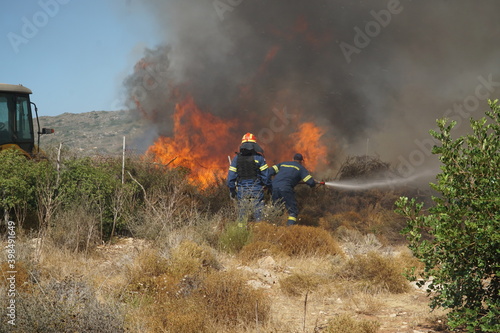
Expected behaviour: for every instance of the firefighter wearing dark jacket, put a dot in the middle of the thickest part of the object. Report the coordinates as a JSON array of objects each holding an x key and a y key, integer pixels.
[
  {"x": 247, "y": 177},
  {"x": 287, "y": 176}
]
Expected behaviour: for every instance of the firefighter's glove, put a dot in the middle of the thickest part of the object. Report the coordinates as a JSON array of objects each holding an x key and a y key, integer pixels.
[{"x": 232, "y": 193}]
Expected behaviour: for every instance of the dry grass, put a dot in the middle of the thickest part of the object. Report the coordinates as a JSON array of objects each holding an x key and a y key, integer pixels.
[
  {"x": 176, "y": 315},
  {"x": 376, "y": 272},
  {"x": 258, "y": 249},
  {"x": 346, "y": 324},
  {"x": 76, "y": 229},
  {"x": 296, "y": 240},
  {"x": 189, "y": 258},
  {"x": 363, "y": 303},
  {"x": 298, "y": 284},
  {"x": 187, "y": 292},
  {"x": 231, "y": 301}
]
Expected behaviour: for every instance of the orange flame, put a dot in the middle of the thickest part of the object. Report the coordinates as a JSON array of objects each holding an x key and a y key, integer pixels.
[
  {"x": 201, "y": 143},
  {"x": 195, "y": 144},
  {"x": 309, "y": 143}
]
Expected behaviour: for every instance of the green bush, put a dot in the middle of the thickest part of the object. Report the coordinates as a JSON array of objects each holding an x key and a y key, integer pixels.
[
  {"x": 234, "y": 237},
  {"x": 461, "y": 247},
  {"x": 17, "y": 184}
]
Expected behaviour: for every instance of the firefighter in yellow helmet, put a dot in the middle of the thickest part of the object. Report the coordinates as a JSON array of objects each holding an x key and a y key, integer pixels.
[{"x": 248, "y": 176}]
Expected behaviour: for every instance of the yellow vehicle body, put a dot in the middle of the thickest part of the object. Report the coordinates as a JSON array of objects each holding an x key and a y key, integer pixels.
[{"x": 16, "y": 120}]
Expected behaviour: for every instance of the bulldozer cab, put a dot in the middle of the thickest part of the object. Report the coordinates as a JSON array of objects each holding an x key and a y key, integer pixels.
[{"x": 16, "y": 119}]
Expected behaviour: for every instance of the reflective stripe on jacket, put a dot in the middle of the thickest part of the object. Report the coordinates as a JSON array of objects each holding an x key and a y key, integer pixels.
[{"x": 289, "y": 174}]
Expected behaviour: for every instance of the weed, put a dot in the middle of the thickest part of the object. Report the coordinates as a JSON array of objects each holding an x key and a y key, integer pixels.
[{"x": 234, "y": 237}]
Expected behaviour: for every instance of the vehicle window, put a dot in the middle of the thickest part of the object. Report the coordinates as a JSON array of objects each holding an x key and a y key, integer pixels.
[
  {"x": 23, "y": 121},
  {"x": 4, "y": 114}
]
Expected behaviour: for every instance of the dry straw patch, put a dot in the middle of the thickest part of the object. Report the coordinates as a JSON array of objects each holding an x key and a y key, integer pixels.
[
  {"x": 190, "y": 258},
  {"x": 298, "y": 284},
  {"x": 363, "y": 303},
  {"x": 258, "y": 249},
  {"x": 296, "y": 240},
  {"x": 177, "y": 315},
  {"x": 375, "y": 272},
  {"x": 230, "y": 301},
  {"x": 347, "y": 324}
]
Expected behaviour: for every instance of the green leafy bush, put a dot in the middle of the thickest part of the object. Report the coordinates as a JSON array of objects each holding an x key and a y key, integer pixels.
[
  {"x": 458, "y": 239},
  {"x": 17, "y": 184}
]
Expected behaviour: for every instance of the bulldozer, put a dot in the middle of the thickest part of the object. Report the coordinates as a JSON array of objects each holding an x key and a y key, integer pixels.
[{"x": 17, "y": 122}]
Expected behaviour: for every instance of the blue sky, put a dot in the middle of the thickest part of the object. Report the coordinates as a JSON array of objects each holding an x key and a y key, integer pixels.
[{"x": 73, "y": 54}]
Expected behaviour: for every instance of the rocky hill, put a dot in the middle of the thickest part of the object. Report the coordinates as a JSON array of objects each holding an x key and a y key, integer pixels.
[{"x": 96, "y": 132}]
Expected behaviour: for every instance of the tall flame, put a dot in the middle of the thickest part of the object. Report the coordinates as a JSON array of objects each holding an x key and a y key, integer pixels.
[
  {"x": 201, "y": 143},
  {"x": 195, "y": 144},
  {"x": 310, "y": 145}
]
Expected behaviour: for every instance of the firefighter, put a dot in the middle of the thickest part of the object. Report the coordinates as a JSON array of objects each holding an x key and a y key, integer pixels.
[
  {"x": 248, "y": 176},
  {"x": 286, "y": 176}
]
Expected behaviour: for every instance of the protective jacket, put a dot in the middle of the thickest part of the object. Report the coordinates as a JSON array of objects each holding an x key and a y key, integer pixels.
[
  {"x": 248, "y": 173},
  {"x": 248, "y": 169},
  {"x": 287, "y": 176}
]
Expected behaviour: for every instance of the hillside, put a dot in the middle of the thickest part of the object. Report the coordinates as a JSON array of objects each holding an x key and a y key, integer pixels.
[{"x": 96, "y": 132}]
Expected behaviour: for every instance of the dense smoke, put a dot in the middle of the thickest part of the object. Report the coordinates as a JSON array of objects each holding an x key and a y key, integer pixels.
[{"x": 376, "y": 74}]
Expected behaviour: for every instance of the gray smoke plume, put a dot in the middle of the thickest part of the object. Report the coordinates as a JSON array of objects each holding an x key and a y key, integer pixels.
[{"x": 376, "y": 74}]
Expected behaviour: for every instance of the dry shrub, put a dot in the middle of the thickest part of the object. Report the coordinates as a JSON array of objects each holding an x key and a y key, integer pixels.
[
  {"x": 187, "y": 315},
  {"x": 348, "y": 219},
  {"x": 190, "y": 258},
  {"x": 409, "y": 262},
  {"x": 297, "y": 240},
  {"x": 377, "y": 272},
  {"x": 297, "y": 284},
  {"x": 51, "y": 257},
  {"x": 346, "y": 324},
  {"x": 76, "y": 228},
  {"x": 148, "y": 265},
  {"x": 365, "y": 303},
  {"x": 362, "y": 167},
  {"x": 354, "y": 242},
  {"x": 231, "y": 301},
  {"x": 256, "y": 250},
  {"x": 385, "y": 223},
  {"x": 69, "y": 305}
]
